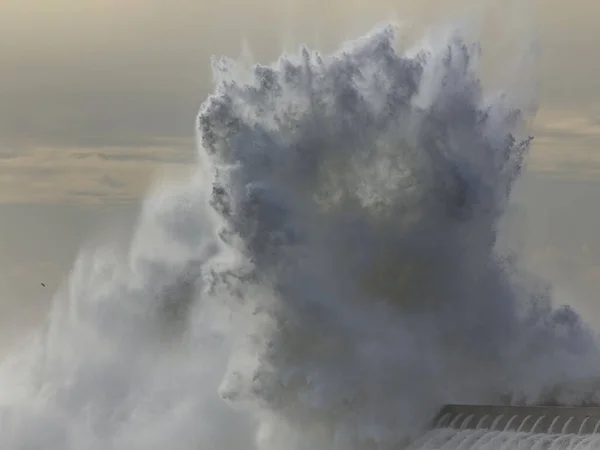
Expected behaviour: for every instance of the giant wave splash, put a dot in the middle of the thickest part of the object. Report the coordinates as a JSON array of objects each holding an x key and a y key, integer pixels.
[{"x": 327, "y": 279}]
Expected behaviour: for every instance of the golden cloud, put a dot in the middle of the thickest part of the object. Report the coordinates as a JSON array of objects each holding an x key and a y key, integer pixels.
[
  {"x": 566, "y": 144},
  {"x": 90, "y": 175}
]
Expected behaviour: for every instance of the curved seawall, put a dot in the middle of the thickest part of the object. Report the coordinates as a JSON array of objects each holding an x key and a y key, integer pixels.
[
  {"x": 512, "y": 427},
  {"x": 530, "y": 419}
]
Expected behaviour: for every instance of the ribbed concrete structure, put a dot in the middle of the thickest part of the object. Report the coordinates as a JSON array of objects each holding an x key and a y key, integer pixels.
[{"x": 526, "y": 419}]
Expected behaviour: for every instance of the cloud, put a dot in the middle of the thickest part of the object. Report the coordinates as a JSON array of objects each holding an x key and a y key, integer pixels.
[
  {"x": 98, "y": 95},
  {"x": 110, "y": 182},
  {"x": 89, "y": 175},
  {"x": 103, "y": 72},
  {"x": 8, "y": 153},
  {"x": 566, "y": 145},
  {"x": 157, "y": 155}
]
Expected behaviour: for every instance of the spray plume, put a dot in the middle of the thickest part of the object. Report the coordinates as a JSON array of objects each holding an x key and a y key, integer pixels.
[{"x": 327, "y": 279}]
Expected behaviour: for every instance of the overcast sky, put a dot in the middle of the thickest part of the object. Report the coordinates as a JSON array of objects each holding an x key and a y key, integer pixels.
[{"x": 96, "y": 95}]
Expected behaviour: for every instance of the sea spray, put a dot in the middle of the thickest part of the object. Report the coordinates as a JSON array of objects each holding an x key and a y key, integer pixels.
[
  {"x": 327, "y": 279},
  {"x": 365, "y": 188}
]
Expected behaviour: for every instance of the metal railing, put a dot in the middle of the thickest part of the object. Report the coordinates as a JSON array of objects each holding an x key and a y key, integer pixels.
[{"x": 526, "y": 419}]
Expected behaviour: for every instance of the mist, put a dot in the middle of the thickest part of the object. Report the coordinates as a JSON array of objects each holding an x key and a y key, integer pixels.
[{"x": 329, "y": 276}]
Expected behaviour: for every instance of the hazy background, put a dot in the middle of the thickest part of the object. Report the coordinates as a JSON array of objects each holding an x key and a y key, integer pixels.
[{"x": 96, "y": 96}]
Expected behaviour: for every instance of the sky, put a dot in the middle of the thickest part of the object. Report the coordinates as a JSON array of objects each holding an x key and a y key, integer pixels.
[{"x": 97, "y": 97}]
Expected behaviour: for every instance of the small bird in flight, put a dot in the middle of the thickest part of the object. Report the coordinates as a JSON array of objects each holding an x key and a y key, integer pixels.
[{"x": 43, "y": 284}]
